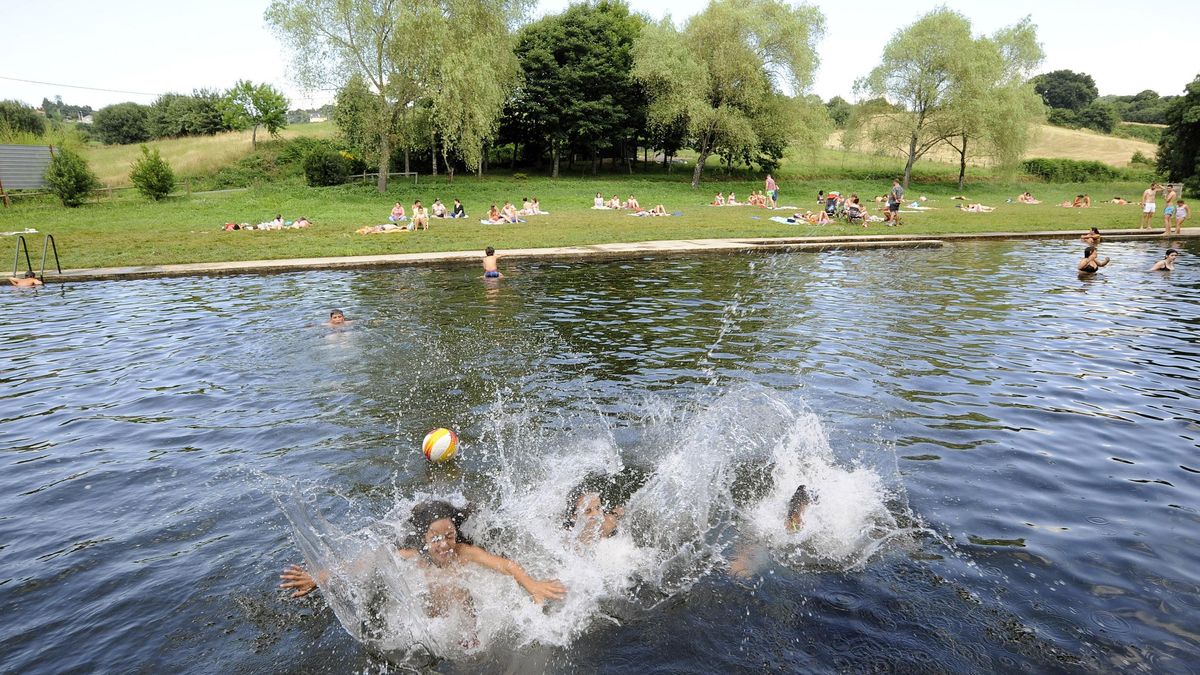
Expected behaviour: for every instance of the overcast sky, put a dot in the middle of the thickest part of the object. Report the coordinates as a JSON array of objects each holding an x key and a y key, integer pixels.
[{"x": 144, "y": 48}]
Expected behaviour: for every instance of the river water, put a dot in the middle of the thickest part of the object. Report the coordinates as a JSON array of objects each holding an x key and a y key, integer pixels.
[{"x": 1003, "y": 458}]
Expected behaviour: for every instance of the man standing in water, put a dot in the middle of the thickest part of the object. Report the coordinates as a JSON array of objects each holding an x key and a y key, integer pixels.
[{"x": 1149, "y": 205}]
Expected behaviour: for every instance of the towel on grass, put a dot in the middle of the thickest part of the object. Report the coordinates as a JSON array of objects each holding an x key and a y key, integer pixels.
[{"x": 785, "y": 221}]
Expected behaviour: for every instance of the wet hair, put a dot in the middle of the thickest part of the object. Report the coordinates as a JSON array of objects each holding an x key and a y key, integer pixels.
[
  {"x": 30, "y": 275},
  {"x": 1169, "y": 252},
  {"x": 1095, "y": 231},
  {"x": 1089, "y": 251},
  {"x": 489, "y": 251},
  {"x": 425, "y": 514},
  {"x": 593, "y": 484},
  {"x": 799, "y": 501},
  {"x": 336, "y": 312}
]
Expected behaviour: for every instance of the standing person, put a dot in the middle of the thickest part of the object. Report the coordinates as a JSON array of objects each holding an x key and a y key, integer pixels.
[
  {"x": 895, "y": 198},
  {"x": 1181, "y": 214},
  {"x": 1149, "y": 205},
  {"x": 1091, "y": 262},
  {"x": 772, "y": 192},
  {"x": 1169, "y": 210},
  {"x": 491, "y": 270}
]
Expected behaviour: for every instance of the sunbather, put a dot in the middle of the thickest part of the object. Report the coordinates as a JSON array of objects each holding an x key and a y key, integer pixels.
[
  {"x": 438, "y": 209},
  {"x": 397, "y": 214},
  {"x": 420, "y": 218},
  {"x": 977, "y": 208},
  {"x": 598, "y": 202},
  {"x": 719, "y": 200}
]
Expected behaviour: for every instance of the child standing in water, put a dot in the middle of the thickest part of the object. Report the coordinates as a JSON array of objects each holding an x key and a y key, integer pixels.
[{"x": 490, "y": 268}]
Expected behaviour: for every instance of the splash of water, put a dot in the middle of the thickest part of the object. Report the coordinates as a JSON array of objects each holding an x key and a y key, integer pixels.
[{"x": 705, "y": 477}]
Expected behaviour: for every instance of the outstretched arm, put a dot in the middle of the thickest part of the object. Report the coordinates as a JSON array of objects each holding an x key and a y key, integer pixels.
[
  {"x": 296, "y": 577},
  {"x": 538, "y": 590}
]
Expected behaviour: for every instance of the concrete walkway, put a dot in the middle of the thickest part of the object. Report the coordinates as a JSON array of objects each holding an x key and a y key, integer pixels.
[{"x": 619, "y": 250}]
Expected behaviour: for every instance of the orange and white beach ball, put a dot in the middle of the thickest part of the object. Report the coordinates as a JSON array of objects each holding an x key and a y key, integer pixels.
[{"x": 439, "y": 445}]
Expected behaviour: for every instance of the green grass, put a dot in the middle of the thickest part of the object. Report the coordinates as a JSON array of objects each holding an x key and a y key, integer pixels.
[{"x": 127, "y": 230}]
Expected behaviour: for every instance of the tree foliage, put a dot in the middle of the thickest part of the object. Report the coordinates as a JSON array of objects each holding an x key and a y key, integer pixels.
[
  {"x": 249, "y": 106},
  {"x": 403, "y": 52},
  {"x": 16, "y": 117},
  {"x": 1145, "y": 107},
  {"x": 70, "y": 178},
  {"x": 577, "y": 89},
  {"x": 122, "y": 123},
  {"x": 57, "y": 110},
  {"x": 177, "y": 115},
  {"x": 839, "y": 111},
  {"x": 723, "y": 72},
  {"x": 1066, "y": 89},
  {"x": 1179, "y": 149},
  {"x": 937, "y": 83},
  {"x": 152, "y": 175}
]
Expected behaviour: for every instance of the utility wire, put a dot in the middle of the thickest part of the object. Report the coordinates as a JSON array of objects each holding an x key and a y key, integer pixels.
[{"x": 77, "y": 86}]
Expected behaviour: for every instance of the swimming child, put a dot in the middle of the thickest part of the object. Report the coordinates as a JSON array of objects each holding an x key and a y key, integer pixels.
[
  {"x": 337, "y": 318},
  {"x": 1167, "y": 263},
  {"x": 490, "y": 269},
  {"x": 28, "y": 280},
  {"x": 744, "y": 562}
]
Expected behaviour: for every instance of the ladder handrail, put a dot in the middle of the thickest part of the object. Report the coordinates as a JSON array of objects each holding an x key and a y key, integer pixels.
[
  {"x": 17, "y": 254},
  {"x": 48, "y": 242}
]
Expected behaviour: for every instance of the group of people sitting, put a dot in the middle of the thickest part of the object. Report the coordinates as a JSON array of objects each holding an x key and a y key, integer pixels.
[
  {"x": 400, "y": 220},
  {"x": 631, "y": 204},
  {"x": 277, "y": 224},
  {"x": 756, "y": 198}
]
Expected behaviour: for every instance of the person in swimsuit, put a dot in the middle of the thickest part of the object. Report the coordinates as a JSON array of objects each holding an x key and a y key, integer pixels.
[
  {"x": 397, "y": 214},
  {"x": 1149, "y": 204},
  {"x": 1091, "y": 237},
  {"x": 1091, "y": 263},
  {"x": 598, "y": 202},
  {"x": 772, "y": 192},
  {"x": 438, "y": 209},
  {"x": 589, "y": 515},
  {"x": 420, "y": 219},
  {"x": 1181, "y": 214},
  {"x": 490, "y": 269},
  {"x": 895, "y": 198},
  {"x": 1167, "y": 263}
]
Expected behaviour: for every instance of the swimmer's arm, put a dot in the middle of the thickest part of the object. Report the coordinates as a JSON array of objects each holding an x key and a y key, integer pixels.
[
  {"x": 297, "y": 578},
  {"x": 539, "y": 590}
]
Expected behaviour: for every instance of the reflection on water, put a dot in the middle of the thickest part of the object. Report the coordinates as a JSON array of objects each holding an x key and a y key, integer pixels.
[{"x": 1003, "y": 457}]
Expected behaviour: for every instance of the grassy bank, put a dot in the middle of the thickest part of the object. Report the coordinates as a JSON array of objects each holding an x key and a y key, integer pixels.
[{"x": 128, "y": 230}]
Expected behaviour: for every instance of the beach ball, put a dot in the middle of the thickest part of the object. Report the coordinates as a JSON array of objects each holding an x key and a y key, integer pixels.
[{"x": 439, "y": 445}]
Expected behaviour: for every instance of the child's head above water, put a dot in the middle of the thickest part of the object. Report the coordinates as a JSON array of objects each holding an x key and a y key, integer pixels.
[{"x": 797, "y": 505}]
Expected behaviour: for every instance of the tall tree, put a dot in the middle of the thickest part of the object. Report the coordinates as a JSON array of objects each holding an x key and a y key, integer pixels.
[
  {"x": 722, "y": 70},
  {"x": 1179, "y": 149},
  {"x": 122, "y": 123},
  {"x": 916, "y": 85},
  {"x": 395, "y": 46},
  {"x": 1066, "y": 89},
  {"x": 249, "y": 105}
]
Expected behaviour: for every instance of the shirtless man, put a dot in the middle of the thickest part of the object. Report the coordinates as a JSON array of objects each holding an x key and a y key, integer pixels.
[
  {"x": 1169, "y": 211},
  {"x": 29, "y": 280},
  {"x": 490, "y": 269},
  {"x": 1149, "y": 205}
]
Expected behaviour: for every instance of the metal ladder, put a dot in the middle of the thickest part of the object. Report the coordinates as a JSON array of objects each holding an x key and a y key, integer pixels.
[{"x": 48, "y": 245}]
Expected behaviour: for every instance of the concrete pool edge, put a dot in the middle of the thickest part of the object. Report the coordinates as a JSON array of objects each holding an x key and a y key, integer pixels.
[{"x": 614, "y": 250}]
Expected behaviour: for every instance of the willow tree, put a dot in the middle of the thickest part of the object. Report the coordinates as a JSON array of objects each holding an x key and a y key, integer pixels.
[
  {"x": 720, "y": 74},
  {"x": 398, "y": 48}
]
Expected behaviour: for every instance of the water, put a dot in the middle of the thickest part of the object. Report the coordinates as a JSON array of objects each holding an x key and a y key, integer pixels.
[{"x": 1003, "y": 458}]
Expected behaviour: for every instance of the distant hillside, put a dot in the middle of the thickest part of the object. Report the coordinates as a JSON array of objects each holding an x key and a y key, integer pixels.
[
  {"x": 191, "y": 156},
  {"x": 1051, "y": 141}
]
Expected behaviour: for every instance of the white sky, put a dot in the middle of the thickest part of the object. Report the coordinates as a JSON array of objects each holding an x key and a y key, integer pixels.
[{"x": 158, "y": 46}]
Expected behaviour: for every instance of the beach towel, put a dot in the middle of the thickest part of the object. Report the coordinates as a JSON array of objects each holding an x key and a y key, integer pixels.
[
  {"x": 601, "y": 208},
  {"x": 785, "y": 221}
]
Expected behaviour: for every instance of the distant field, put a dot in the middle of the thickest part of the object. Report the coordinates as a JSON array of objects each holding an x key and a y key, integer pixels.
[
  {"x": 1051, "y": 141},
  {"x": 192, "y": 156}
]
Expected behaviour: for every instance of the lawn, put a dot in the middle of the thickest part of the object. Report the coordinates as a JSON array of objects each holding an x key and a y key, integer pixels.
[{"x": 129, "y": 230}]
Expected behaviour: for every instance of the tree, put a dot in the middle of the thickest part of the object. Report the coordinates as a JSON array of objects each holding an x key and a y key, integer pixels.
[
  {"x": 1102, "y": 117},
  {"x": 122, "y": 123},
  {"x": 151, "y": 175},
  {"x": 922, "y": 69},
  {"x": 249, "y": 105},
  {"x": 16, "y": 117},
  {"x": 1179, "y": 149},
  {"x": 577, "y": 88},
  {"x": 70, "y": 178},
  {"x": 722, "y": 70},
  {"x": 993, "y": 104},
  {"x": 839, "y": 111},
  {"x": 1066, "y": 89},
  {"x": 395, "y": 47}
]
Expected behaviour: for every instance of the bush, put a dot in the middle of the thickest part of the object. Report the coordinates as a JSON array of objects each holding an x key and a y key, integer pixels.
[
  {"x": 1139, "y": 132},
  {"x": 296, "y": 150},
  {"x": 1061, "y": 117},
  {"x": 16, "y": 117},
  {"x": 326, "y": 167},
  {"x": 151, "y": 175},
  {"x": 1140, "y": 158},
  {"x": 1069, "y": 170},
  {"x": 122, "y": 123},
  {"x": 1102, "y": 117},
  {"x": 70, "y": 178}
]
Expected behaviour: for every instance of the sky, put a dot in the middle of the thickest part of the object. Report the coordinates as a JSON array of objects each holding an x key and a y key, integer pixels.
[{"x": 142, "y": 48}]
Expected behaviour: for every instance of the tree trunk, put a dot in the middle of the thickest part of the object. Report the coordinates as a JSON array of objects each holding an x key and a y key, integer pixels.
[
  {"x": 254, "y": 138},
  {"x": 554, "y": 160},
  {"x": 962, "y": 162},
  {"x": 406, "y": 168},
  {"x": 705, "y": 150},
  {"x": 595, "y": 157},
  {"x": 433, "y": 153},
  {"x": 512, "y": 166},
  {"x": 912, "y": 158},
  {"x": 385, "y": 152},
  {"x": 449, "y": 165}
]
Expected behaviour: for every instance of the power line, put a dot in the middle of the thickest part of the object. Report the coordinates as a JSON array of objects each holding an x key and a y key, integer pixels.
[{"x": 77, "y": 86}]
